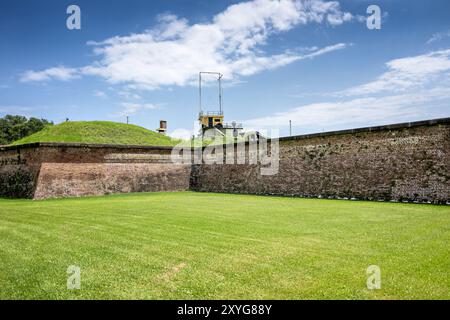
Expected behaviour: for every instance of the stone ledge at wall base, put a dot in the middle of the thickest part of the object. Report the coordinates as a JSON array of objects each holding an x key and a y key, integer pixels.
[
  {"x": 303, "y": 196},
  {"x": 402, "y": 162}
]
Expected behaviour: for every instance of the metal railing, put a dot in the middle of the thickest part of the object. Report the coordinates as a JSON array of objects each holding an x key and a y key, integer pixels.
[
  {"x": 229, "y": 125},
  {"x": 211, "y": 113}
]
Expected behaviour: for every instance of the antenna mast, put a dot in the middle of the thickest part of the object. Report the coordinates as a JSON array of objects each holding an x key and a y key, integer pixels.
[{"x": 219, "y": 78}]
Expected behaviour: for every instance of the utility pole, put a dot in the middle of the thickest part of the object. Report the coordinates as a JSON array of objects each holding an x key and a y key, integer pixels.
[
  {"x": 290, "y": 128},
  {"x": 128, "y": 119}
]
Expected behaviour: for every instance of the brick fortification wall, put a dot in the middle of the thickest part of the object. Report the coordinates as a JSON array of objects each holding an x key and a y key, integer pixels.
[
  {"x": 403, "y": 162},
  {"x": 397, "y": 162},
  {"x": 47, "y": 170}
]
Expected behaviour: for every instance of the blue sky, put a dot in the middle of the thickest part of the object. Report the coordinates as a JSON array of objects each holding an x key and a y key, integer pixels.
[{"x": 313, "y": 62}]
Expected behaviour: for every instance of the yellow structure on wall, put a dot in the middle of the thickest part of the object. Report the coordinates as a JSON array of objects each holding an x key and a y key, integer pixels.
[
  {"x": 210, "y": 119},
  {"x": 212, "y": 122}
]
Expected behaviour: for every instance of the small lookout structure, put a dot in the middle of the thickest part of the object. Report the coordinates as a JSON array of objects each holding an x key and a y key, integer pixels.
[{"x": 212, "y": 121}]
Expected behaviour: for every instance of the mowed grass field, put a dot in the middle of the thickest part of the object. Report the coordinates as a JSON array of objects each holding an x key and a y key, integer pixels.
[{"x": 216, "y": 246}]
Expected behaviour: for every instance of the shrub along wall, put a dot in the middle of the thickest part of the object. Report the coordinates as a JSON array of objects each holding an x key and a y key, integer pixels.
[{"x": 17, "y": 183}]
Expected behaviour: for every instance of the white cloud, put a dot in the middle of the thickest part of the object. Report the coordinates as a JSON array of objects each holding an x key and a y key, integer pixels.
[
  {"x": 413, "y": 88},
  {"x": 129, "y": 95},
  {"x": 322, "y": 51},
  {"x": 251, "y": 65},
  {"x": 438, "y": 37},
  {"x": 58, "y": 73},
  {"x": 15, "y": 109},
  {"x": 23, "y": 110},
  {"x": 407, "y": 73},
  {"x": 132, "y": 108},
  {"x": 181, "y": 134},
  {"x": 175, "y": 51},
  {"x": 100, "y": 94},
  {"x": 355, "y": 112}
]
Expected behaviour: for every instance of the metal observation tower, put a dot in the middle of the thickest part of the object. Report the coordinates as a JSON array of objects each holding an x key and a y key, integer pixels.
[{"x": 212, "y": 121}]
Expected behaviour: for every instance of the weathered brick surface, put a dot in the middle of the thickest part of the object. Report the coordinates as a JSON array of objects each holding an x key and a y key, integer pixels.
[
  {"x": 399, "y": 162},
  {"x": 404, "y": 163},
  {"x": 84, "y": 179},
  {"x": 17, "y": 175},
  {"x": 64, "y": 170}
]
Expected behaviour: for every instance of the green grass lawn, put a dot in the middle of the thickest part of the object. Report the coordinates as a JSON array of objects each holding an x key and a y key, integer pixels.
[
  {"x": 99, "y": 132},
  {"x": 216, "y": 246}
]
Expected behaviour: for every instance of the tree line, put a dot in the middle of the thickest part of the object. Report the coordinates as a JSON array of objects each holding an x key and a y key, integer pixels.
[{"x": 13, "y": 128}]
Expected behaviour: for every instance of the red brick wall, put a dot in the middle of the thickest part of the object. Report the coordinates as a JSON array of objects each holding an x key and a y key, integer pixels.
[
  {"x": 64, "y": 170},
  {"x": 402, "y": 163},
  {"x": 406, "y": 162}
]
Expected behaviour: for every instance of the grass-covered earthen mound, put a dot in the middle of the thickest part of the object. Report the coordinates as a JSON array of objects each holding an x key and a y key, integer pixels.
[{"x": 99, "y": 132}]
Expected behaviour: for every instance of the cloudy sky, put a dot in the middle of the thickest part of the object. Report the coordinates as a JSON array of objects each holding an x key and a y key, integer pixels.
[{"x": 313, "y": 62}]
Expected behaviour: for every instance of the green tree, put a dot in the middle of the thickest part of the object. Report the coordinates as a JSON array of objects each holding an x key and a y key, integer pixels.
[{"x": 13, "y": 128}]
